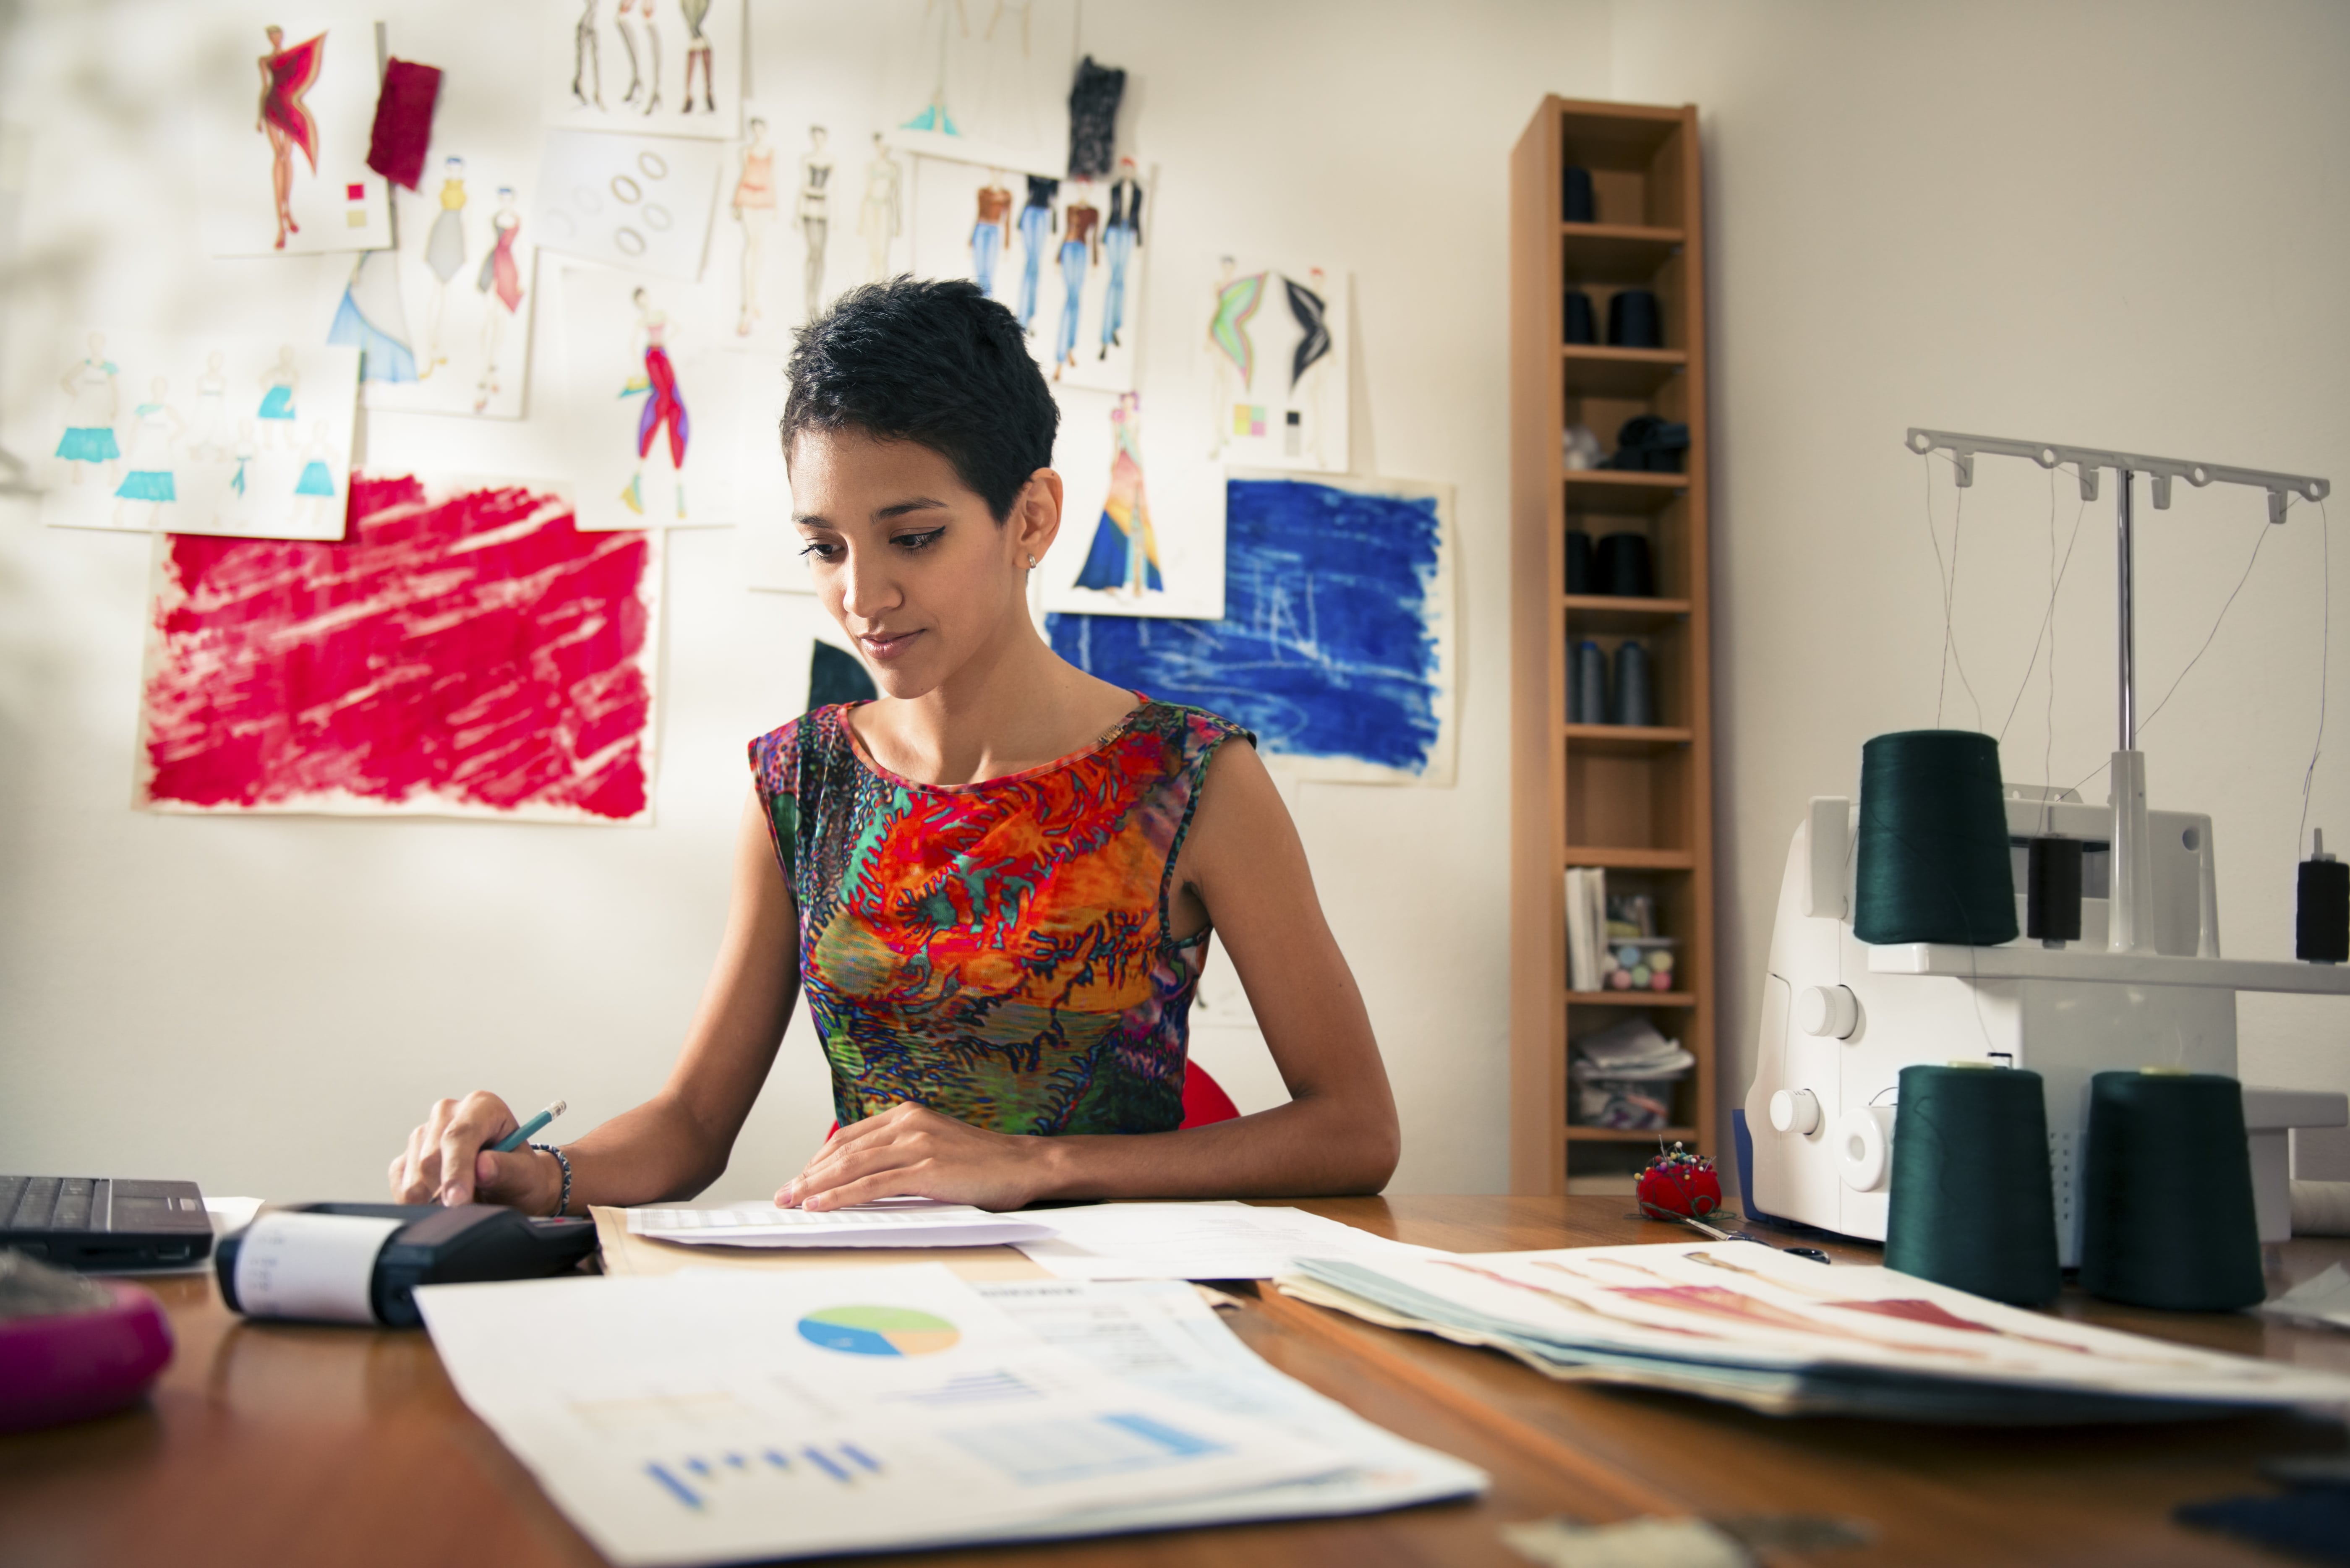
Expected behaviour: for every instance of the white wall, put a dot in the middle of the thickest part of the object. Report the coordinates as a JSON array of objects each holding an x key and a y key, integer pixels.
[
  {"x": 2114, "y": 224},
  {"x": 266, "y": 1004}
]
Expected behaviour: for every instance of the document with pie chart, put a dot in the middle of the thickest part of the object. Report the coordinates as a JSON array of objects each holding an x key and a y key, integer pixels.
[{"x": 709, "y": 1417}]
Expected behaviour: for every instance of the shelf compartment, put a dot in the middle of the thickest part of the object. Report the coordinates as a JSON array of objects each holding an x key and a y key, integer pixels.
[
  {"x": 1631, "y": 999},
  {"x": 1626, "y": 740},
  {"x": 1595, "y": 371},
  {"x": 1612, "y": 614},
  {"x": 1621, "y": 858},
  {"x": 1627, "y": 253},
  {"x": 1577, "y": 1133},
  {"x": 1611, "y": 491}
]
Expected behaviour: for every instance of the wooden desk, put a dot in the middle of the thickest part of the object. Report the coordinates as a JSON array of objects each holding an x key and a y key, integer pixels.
[{"x": 271, "y": 1444}]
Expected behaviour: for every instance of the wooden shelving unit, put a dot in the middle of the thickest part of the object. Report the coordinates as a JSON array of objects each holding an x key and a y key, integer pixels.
[{"x": 1638, "y": 802}]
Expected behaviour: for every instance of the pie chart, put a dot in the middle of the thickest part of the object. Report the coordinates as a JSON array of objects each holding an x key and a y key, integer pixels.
[{"x": 878, "y": 1331}]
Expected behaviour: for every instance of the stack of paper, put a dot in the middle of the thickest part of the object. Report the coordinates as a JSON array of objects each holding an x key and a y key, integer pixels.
[
  {"x": 709, "y": 1417},
  {"x": 1195, "y": 1241},
  {"x": 1782, "y": 1335},
  {"x": 891, "y": 1222}
]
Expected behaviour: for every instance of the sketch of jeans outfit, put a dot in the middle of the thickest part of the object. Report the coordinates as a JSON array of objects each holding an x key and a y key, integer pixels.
[
  {"x": 1120, "y": 235},
  {"x": 986, "y": 244},
  {"x": 1035, "y": 223},
  {"x": 1073, "y": 275}
]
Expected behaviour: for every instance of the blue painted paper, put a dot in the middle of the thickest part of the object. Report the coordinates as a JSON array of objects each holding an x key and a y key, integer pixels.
[{"x": 1328, "y": 647}]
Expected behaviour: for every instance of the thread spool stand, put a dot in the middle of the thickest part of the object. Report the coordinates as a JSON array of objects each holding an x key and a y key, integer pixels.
[{"x": 2130, "y": 917}]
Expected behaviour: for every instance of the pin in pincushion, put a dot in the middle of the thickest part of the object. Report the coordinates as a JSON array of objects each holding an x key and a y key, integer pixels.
[{"x": 1679, "y": 1183}]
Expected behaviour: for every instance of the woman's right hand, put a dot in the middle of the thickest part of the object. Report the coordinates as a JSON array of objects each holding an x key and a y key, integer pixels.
[{"x": 448, "y": 1160}]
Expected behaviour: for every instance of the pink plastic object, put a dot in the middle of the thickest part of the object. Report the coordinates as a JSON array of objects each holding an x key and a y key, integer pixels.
[{"x": 69, "y": 1366}]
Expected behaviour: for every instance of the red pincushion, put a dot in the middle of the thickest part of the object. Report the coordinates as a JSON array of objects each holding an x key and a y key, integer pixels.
[
  {"x": 1679, "y": 1183},
  {"x": 69, "y": 1366}
]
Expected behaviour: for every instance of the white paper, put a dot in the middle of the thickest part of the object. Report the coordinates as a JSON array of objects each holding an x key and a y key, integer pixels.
[
  {"x": 638, "y": 202},
  {"x": 244, "y": 144},
  {"x": 985, "y": 84},
  {"x": 1196, "y": 1241},
  {"x": 672, "y": 69},
  {"x": 2322, "y": 1302},
  {"x": 213, "y": 435},
  {"x": 894, "y": 1223},
  {"x": 1160, "y": 1334},
  {"x": 709, "y": 1417},
  {"x": 1740, "y": 1306},
  {"x": 314, "y": 1266}
]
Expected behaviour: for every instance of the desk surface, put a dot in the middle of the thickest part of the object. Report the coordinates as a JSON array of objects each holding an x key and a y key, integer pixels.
[{"x": 278, "y": 1444}]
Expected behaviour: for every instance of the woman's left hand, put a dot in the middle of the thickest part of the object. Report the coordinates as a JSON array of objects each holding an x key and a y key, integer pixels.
[{"x": 909, "y": 1151}]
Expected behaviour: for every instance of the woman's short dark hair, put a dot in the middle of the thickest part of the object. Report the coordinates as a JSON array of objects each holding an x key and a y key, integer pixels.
[{"x": 937, "y": 363}]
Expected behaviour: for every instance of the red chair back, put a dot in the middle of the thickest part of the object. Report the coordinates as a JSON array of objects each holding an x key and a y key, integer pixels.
[{"x": 1204, "y": 1101}]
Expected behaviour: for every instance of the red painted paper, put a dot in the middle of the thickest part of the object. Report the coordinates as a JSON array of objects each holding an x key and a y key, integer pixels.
[{"x": 464, "y": 650}]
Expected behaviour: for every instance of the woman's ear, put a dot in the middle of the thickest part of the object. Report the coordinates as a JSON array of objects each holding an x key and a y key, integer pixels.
[{"x": 1036, "y": 520}]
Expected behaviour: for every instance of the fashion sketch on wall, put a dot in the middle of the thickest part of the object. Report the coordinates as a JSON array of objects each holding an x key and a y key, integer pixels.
[
  {"x": 1142, "y": 522},
  {"x": 283, "y": 143},
  {"x": 646, "y": 441},
  {"x": 443, "y": 324},
  {"x": 1276, "y": 343},
  {"x": 982, "y": 81},
  {"x": 217, "y": 434},
  {"x": 643, "y": 202},
  {"x": 666, "y": 67},
  {"x": 1064, "y": 257}
]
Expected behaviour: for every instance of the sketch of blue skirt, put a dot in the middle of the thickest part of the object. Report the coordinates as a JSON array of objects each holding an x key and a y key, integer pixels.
[
  {"x": 314, "y": 480},
  {"x": 279, "y": 404},
  {"x": 89, "y": 444},
  {"x": 148, "y": 484}
]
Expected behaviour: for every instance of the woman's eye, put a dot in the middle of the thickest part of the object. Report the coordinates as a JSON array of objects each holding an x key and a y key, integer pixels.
[
  {"x": 820, "y": 550},
  {"x": 918, "y": 541}
]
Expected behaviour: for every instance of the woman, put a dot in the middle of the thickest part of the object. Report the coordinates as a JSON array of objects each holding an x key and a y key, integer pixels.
[
  {"x": 1125, "y": 553},
  {"x": 815, "y": 215},
  {"x": 1079, "y": 218},
  {"x": 444, "y": 253},
  {"x": 277, "y": 403},
  {"x": 89, "y": 418},
  {"x": 156, "y": 428},
  {"x": 996, "y": 882}
]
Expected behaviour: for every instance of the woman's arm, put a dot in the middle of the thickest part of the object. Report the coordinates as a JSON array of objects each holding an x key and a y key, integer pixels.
[
  {"x": 1244, "y": 865},
  {"x": 676, "y": 1143}
]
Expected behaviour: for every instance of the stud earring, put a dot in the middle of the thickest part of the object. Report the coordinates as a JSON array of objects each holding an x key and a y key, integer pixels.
[{"x": 1032, "y": 563}]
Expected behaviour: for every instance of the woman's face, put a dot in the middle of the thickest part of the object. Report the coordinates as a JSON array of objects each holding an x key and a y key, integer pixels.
[{"x": 908, "y": 558}]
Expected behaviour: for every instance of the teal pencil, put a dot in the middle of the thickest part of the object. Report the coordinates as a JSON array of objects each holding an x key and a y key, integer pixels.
[{"x": 521, "y": 1134}]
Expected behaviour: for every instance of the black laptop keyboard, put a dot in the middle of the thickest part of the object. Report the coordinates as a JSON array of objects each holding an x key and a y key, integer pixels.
[{"x": 48, "y": 1202}]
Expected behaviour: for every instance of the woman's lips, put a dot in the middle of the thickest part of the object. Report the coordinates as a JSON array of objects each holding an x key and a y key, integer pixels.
[{"x": 890, "y": 647}]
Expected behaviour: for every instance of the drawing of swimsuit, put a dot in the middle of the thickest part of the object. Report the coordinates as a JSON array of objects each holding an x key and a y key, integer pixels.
[
  {"x": 278, "y": 403},
  {"x": 148, "y": 483},
  {"x": 1234, "y": 304},
  {"x": 90, "y": 444},
  {"x": 1073, "y": 274},
  {"x": 664, "y": 406}
]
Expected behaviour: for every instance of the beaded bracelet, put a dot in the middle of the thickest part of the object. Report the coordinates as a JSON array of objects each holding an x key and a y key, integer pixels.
[{"x": 562, "y": 1204}]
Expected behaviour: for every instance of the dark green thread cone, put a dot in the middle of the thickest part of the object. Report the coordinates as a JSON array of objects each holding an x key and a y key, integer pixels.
[
  {"x": 2167, "y": 1204},
  {"x": 1933, "y": 857},
  {"x": 1972, "y": 1207}
]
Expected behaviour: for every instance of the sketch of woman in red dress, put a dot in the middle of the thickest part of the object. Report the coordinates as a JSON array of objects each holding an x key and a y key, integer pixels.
[
  {"x": 286, "y": 75},
  {"x": 664, "y": 405},
  {"x": 501, "y": 280}
]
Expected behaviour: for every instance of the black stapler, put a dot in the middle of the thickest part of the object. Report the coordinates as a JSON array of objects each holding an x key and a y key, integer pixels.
[{"x": 438, "y": 1246}]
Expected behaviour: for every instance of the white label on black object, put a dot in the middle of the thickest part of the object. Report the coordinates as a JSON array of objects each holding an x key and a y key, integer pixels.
[{"x": 315, "y": 1266}]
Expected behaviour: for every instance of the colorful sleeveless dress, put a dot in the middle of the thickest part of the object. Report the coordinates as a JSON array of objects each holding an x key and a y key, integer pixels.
[{"x": 999, "y": 952}]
